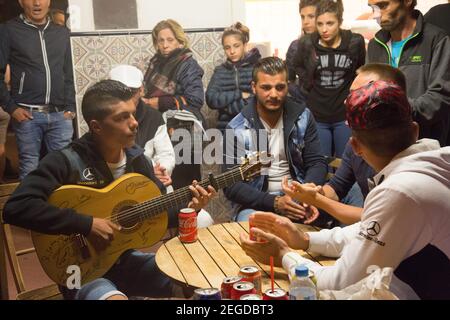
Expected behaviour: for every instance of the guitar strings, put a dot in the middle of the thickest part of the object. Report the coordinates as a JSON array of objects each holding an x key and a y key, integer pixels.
[
  {"x": 165, "y": 202},
  {"x": 160, "y": 203}
]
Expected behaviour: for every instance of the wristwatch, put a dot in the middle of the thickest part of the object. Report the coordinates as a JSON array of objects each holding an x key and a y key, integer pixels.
[{"x": 276, "y": 207}]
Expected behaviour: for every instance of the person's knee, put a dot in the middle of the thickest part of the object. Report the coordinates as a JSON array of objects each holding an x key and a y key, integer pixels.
[
  {"x": 99, "y": 289},
  {"x": 117, "y": 297}
]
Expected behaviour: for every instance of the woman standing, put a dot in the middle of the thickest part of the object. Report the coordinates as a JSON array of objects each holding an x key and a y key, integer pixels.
[
  {"x": 326, "y": 64},
  {"x": 173, "y": 81},
  {"x": 230, "y": 85},
  {"x": 307, "y": 11}
]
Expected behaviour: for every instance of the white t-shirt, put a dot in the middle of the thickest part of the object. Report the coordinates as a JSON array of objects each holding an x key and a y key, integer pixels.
[
  {"x": 118, "y": 169},
  {"x": 279, "y": 167}
]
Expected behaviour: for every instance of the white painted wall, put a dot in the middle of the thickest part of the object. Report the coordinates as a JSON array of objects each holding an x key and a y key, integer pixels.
[
  {"x": 81, "y": 15},
  {"x": 274, "y": 23},
  {"x": 190, "y": 14}
]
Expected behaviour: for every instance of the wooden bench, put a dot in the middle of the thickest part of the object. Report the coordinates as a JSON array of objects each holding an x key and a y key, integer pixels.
[{"x": 8, "y": 249}]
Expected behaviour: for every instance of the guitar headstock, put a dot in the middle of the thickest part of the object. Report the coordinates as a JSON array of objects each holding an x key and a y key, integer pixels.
[{"x": 253, "y": 164}]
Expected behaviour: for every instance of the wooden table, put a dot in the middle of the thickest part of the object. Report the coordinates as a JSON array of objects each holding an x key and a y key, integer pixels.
[{"x": 217, "y": 254}]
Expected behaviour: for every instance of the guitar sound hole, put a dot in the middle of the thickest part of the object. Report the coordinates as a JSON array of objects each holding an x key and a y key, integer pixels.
[{"x": 125, "y": 218}]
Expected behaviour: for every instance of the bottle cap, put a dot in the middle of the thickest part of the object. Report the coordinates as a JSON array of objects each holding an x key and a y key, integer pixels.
[{"x": 301, "y": 271}]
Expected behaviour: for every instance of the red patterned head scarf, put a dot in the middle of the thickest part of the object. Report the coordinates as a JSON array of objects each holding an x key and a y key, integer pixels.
[{"x": 379, "y": 104}]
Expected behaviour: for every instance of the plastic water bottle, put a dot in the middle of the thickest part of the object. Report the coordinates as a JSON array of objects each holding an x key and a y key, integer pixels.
[{"x": 302, "y": 287}]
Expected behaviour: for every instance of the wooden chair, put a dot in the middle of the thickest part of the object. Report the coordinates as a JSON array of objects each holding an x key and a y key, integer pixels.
[
  {"x": 333, "y": 165},
  {"x": 49, "y": 292}
]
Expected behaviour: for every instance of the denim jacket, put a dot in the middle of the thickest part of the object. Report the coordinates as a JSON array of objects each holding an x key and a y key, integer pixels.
[{"x": 301, "y": 141}]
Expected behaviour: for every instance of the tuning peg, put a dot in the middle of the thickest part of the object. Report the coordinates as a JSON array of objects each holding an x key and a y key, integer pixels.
[{"x": 245, "y": 160}]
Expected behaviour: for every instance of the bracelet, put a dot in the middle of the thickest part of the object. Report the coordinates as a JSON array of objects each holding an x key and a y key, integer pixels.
[{"x": 275, "y": 205}]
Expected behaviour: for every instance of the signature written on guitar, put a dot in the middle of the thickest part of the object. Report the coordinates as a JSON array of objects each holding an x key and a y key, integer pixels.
[
  {"x": 133, "y": 186},
  {"x": 74, "y": 203}
]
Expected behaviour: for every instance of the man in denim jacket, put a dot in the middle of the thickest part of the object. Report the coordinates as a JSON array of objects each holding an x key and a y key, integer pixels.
[{"x": 287, "y": 131}]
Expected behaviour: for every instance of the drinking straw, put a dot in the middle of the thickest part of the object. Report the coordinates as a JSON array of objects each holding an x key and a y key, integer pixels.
[{"x": 271, "y": 272}]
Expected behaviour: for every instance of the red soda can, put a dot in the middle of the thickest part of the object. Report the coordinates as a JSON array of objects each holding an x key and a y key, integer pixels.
[
  {"x": 241, "y": 288},
  {"x": 276, "y": 294},
  {"x": 253, "y": 275},
  {"x": 187, "y": 225},
  {"x": 227, "y": 286}
]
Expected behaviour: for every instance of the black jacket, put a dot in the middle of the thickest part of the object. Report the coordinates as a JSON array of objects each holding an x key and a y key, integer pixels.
[
  {"x": 149, "y": 120},
  {"x": 28, "y": 206},
  {"x": 294, "y": 89},
  {"x": 425, "y": 61},
  {"x": 291, "y": 55},
  {"x": 227, "y": 83},
  {"x": 439, "y": 16},
  {"x": 40, "y": 62},
  {"x": 189, "y": 93}
]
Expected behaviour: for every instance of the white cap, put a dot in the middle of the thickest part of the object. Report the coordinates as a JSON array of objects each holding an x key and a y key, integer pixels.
[{"x": 130, "y": 76}]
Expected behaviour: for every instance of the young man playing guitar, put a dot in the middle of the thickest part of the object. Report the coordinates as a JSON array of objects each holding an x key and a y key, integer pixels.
[{"x": 101, "y": 156}]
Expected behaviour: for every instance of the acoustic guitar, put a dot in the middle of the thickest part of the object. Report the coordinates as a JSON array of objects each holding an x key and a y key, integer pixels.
[{"x": 125, "y": 202}]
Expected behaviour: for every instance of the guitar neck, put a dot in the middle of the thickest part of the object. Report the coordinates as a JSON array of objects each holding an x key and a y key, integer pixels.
[{"x": 182, "y": 196}]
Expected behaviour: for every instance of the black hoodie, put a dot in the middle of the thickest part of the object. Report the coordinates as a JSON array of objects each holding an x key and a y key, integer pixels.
[{"x": 325, "y": 74}]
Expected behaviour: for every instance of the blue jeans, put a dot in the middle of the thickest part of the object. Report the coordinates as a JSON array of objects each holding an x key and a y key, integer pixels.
[
  {"x": 354, "y": 197},
  {"x": 333, "y": 135},
  {"x": 134, "y": 274},
  {"x": 49, "y": 128},
  {"x": 243, "y": 215}
]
